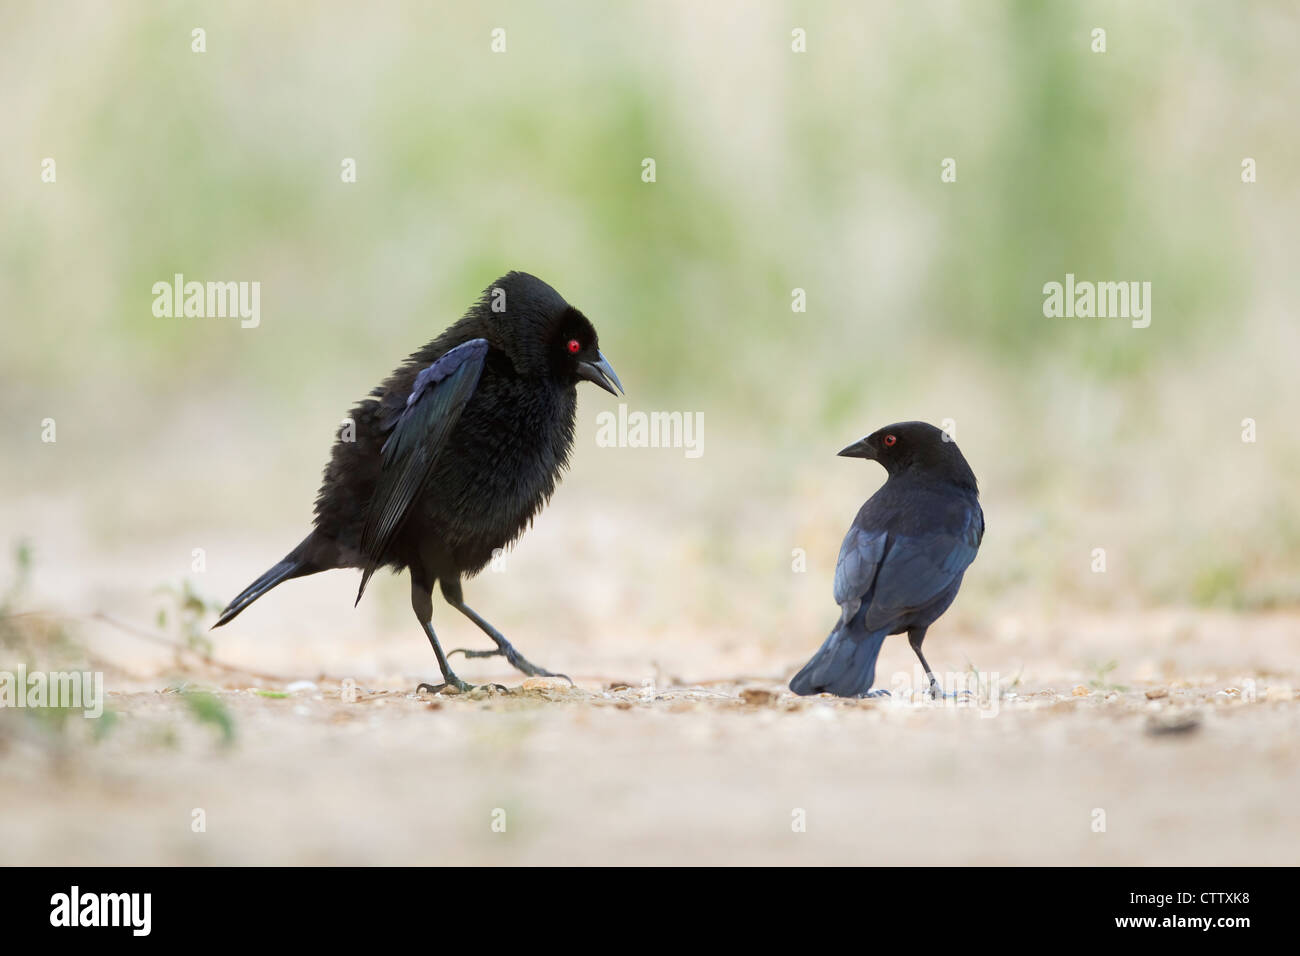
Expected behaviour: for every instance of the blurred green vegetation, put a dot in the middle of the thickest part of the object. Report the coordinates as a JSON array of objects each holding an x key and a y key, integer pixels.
[{"x": 226, "y": 165}]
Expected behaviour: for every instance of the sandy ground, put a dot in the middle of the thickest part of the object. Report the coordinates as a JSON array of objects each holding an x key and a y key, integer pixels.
[
  {"x": 1197, "y": 767},
  {"x": 680, "y": 623}
]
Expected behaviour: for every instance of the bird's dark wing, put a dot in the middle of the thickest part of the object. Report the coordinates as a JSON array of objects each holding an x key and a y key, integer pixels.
[
  {"x": 918, "y": 568},
  {"x": 418, "y": 436},
  {"x": 856, "y": 568}
]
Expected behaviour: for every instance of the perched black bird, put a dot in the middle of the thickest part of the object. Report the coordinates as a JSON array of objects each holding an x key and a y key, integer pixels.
[
  {"x": 453, "y": 455},
  {"x": 903, "y": 559}
]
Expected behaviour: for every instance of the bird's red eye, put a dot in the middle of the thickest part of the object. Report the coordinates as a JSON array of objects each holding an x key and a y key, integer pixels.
[
  {"x": 890, "y": 440},
  {"x": 574, "y": 346}
]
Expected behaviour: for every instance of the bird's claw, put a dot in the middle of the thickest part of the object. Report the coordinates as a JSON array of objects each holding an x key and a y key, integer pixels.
[
  {"x": 937, "y": 693},
  {"x": 456, "y": 683},
  {"x": 516, "y": 660},
  {"x": 878, "y": 692}
]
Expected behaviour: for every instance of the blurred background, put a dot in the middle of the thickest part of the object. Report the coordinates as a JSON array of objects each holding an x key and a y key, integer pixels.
[{"x": 775, "y": 170}]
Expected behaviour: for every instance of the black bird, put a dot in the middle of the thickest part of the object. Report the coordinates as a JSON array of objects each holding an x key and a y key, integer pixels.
[
  {"x": 903, "y": 559},
  {"x": 453, "y": 455}
]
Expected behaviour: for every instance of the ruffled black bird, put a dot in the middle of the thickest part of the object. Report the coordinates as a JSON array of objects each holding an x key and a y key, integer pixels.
[
  {"x": 453, "y": 455},
  {"x": 903, "y": 559}
]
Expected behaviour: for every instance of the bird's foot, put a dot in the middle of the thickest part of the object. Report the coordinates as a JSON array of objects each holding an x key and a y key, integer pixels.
[
  {"x": 878, "y": 692},
  {"x": 937, "y": 693},
  {"x": 517, "y": 661},
  {"x": 455, "y": 685}
]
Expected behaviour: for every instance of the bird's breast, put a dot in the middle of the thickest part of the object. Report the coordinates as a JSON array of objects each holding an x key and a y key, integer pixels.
[{"x": 502, "y": 463}]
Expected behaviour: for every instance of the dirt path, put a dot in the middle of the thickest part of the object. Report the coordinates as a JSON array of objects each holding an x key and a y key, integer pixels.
[{"x": 720, "y": 774}]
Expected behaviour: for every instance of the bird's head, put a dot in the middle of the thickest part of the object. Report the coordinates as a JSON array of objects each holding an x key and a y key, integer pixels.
[
  {"x": 915, "y": 447},
  {"x": 542, "y": 334}
]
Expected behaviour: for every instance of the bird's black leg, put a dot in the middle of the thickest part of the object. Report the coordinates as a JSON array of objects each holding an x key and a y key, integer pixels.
[
  {"x": 452, "y": 592},
  {"x": 914, "y": 637},
  {"x": 422, "y": 604}
]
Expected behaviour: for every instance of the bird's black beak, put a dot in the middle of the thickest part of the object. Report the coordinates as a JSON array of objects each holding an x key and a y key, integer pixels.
[
  {"x": 859, "y": 449},
  {"x": 600, "y": 372}
]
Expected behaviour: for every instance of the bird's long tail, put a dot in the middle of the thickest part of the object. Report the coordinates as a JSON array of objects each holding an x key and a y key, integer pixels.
[
  {"x": 295, "y": 564},
  {"x": 845, "y": 665}
]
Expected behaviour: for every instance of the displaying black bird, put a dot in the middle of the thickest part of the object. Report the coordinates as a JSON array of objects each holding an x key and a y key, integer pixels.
[
  {"x": 453, "y": 455},
  {"x": 903, "y": 559}
]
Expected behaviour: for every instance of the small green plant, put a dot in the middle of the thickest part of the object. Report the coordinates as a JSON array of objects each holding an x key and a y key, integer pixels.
[
  {"x": 22, "y": 575},
  {"x": 10, "y": 632},
  {"x": 984, "y": 682},
  {"x": 1101, "y": 682},
  {"x": 187, "y": 610},
  {"x": 207, "y": 708},
  {"x": 31, "y": 636}
]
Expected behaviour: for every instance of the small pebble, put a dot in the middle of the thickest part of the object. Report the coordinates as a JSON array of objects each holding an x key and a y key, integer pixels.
[
  {"x": 1179, "y": 724},
  {"x": 546, "y": 683}
]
